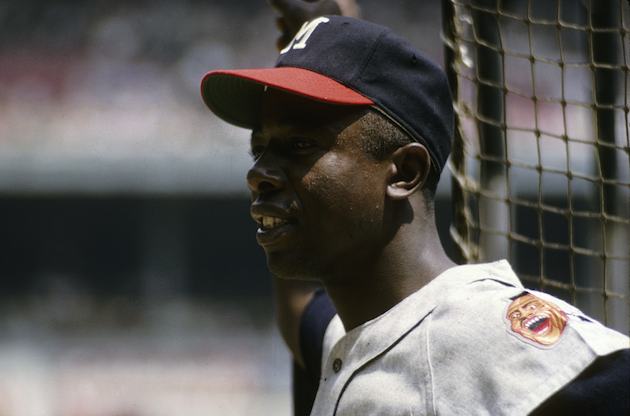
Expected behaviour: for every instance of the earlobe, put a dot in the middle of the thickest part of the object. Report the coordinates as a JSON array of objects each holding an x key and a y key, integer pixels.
[{"x": 410, "y": 165}]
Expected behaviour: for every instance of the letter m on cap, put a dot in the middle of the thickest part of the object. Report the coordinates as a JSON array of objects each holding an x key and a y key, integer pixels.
[{"x": 305, "y": 32}]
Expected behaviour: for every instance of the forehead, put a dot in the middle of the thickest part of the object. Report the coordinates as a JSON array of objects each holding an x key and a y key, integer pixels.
[{"x": 523, "y": 301}]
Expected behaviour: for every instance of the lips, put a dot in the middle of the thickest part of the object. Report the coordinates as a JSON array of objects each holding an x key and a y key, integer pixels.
[
  {"x": 537, "y": 324},
  {"x": 275, "y": 224}
]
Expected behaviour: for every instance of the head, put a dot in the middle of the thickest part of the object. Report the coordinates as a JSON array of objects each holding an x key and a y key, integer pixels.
[
  {"x": 351, "y": 130},
  {"x": 331, "y": 184},
  {"x": 536, "y": 319}
]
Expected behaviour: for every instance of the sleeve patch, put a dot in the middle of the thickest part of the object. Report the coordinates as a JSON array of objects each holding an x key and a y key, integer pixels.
[{"x": 535, "y": 321}]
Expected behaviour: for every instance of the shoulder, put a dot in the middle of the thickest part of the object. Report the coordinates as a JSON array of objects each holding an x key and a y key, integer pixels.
[
  {"x": 490, "y": 305},
  {"x": 508, "y": 349}
]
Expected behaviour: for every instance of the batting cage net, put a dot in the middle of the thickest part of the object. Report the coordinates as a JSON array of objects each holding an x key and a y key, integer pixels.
[{"x": 541, "y": 156}]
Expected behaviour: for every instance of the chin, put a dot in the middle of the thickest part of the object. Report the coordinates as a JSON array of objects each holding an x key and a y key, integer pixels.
[{"x": 288, "y": 266}]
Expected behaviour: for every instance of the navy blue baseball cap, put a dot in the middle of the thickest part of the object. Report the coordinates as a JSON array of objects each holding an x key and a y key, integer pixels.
[{"x": 346, "y": 61}]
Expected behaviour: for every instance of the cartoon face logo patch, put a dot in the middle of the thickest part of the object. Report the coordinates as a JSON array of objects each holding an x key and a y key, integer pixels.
[{"x": 536, "y": 320}]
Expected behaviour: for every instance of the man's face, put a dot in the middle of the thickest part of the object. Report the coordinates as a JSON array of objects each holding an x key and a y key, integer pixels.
[
  {"x": 316, "y": 194},
  {"x": 536, "y": 319}
]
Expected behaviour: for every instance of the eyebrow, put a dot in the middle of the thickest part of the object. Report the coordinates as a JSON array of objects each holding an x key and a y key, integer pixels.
[{"x": 526, "y": 304}]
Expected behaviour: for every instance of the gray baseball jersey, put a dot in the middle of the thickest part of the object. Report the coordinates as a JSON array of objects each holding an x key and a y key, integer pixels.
[{"x": 472, "y": 341}]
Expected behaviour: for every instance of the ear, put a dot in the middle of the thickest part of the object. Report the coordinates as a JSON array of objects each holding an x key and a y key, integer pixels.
[{"x": 409, "y": 169}]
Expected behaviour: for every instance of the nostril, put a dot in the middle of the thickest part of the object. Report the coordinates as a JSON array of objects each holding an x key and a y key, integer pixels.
[{"x": 265, "y": 186}]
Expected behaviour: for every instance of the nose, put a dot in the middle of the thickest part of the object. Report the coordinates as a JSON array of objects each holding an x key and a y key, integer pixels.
[{"x": 264, "y": 178}]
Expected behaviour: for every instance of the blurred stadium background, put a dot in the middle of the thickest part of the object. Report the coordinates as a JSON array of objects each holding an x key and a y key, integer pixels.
[{"x": 131, "y": 281}]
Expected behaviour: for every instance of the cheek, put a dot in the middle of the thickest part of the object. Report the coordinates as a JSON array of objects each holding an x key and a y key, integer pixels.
[
  {"x": 339, "y": 189},
  {"x": 557, "y": 319},
  {"x": 516, "y": 325},
  {"x": 342, "y": 183}
]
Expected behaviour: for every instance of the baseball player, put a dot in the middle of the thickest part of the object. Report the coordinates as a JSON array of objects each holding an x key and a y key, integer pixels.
[{"x": 350, "y": 131}]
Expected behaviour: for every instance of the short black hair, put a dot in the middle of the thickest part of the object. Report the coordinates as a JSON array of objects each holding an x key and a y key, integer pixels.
[{"x": 383, "y": 137}]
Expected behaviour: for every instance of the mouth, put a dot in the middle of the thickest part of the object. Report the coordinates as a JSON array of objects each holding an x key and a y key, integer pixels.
[
  {"x": 273, "y": 230},
  {"x": 538, "y": 324},
  {"x": 276, "y": 225},
  {"x": 268, "y": 222}
]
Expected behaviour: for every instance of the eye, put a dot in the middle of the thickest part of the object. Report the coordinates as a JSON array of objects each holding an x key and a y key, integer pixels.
[{"x": 302, "y": 145}]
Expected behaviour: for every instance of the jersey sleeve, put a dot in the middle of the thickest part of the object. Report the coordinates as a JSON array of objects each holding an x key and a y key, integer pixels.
[
  {"x": 603, "y": 388},
  {"x": 313, "y": 323}
]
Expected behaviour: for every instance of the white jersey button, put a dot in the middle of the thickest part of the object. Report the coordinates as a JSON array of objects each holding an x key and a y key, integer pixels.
[{"x": 337, "y": 365}]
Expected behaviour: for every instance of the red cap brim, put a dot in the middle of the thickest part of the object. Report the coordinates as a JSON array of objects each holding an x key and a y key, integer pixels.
[{"x": 234, "y": 95}]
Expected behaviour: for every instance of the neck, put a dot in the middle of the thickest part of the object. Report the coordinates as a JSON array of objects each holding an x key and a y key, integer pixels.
[{"x": 410, "y": 260}]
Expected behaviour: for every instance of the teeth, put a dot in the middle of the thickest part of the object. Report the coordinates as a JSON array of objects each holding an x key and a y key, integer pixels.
[
  {"x": 531, "y": 323},
  {"x": 270, "y": 222}
]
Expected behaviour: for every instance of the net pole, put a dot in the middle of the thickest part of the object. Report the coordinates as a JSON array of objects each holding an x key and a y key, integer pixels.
[
  {"x": 459, "y": 227},
  {"x": 491, "y": 107},
  {"x": 604, "y": 14}
]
